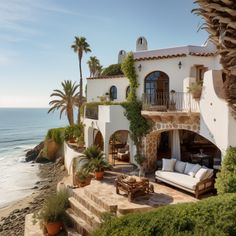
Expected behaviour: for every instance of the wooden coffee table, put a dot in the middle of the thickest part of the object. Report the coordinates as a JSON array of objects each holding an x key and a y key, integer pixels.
[{"x": 133, "y": 186}]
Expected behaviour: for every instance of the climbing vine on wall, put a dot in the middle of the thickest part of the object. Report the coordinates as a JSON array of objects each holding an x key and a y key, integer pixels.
[{"x": 139, "y": 126}]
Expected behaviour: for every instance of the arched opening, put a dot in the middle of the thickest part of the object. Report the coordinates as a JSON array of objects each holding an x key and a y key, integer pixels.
[
  {"x": 183, "y": 145},
  {"x": 113, "y": 93},
  {"x": 156, "y": 88},
  {"x": 119, "y": 147},
  {"x": 98, "y": 140}
]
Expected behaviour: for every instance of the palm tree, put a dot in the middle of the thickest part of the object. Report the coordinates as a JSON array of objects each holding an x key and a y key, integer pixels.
[
  {"x": 219, "y": 16},
  {"x": 80, "y": 46},
  {"x": 94, "y": 66},
  {"x": 66, "y": 100}
]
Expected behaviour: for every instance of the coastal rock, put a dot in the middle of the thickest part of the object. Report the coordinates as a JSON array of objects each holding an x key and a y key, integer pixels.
[{"x": 32, "y": 154}]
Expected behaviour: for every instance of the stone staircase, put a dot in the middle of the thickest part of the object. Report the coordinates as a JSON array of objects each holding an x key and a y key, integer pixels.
[{"x": 85, "y": 210}]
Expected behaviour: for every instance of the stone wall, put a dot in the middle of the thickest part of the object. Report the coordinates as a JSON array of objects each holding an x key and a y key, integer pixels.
[{"x": 166, "y": 123}]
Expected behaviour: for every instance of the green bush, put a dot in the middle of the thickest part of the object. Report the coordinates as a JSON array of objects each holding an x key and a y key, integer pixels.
[
  {"x": 226, "y": 178},
  {"x": 213, "y": 216},
  {"x": 74, "y": 131},
  {"x": 114, "y": 69},
  {"x": 56, "y": 134},
  {"x": 53, "y": 208}
]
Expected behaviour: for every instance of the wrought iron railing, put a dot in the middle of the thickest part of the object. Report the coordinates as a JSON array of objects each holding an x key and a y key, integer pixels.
[
  {"x": 173, "y": 101},
  {"x": 91, "y": 112}
]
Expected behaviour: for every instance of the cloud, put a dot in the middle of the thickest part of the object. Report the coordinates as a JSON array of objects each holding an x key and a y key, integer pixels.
[{"x": 18, "y": 15}]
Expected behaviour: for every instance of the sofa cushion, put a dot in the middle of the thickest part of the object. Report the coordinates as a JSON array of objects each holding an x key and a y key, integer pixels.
[
  {"x": 209, "y": 173},
  {"x": 201, "y": 174},
  {"x": 188, "y": 168},
  {"x": 178, "y": 179},
  {"x": 194, "y": 170},
  {"x": 168, "y": 164},
  {"x": 180, "y": 166}
]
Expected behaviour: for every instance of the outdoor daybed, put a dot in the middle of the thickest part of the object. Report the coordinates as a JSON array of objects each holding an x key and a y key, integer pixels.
[{"x": 189, "y": 177}]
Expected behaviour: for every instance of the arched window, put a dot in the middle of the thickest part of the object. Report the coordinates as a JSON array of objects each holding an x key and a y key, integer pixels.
[
  {"x": 127, "y": 92},
  {"x": 156, "y": 87},
  {"x": 113, "y": 93}
]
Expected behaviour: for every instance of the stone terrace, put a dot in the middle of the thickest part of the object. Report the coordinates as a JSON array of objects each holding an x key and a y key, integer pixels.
[{"x": 88, "y": 203}]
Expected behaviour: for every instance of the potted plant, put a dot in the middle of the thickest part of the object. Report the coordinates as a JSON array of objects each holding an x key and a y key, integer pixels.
[
  {"x": 73, "y": 133},
  {"x": 53, "y": 213},
  {"x": 82, "y": 178},
  {"x": 98, "y": 165},
  {"x": 195, "y": 89},
  {"x": 95, "y": 161}
]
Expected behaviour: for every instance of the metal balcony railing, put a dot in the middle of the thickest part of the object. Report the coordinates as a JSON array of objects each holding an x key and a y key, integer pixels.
[
  {"x": 173, "y": 101},
  {"x": 91, "y": 112}
]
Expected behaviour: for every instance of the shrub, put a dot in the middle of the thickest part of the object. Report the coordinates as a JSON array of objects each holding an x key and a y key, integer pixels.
[
  {"x": 56, "y": 134},
  {"x": 226, "y": 178},
  {"x": 213, "y": 216},
  {"x": 114, "y": 69},
  {"x": 53, "y": 209},
  {"x": 73, "y": 132}
]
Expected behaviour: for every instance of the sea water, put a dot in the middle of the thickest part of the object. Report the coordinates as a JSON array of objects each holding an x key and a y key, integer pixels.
[{"x": 20, "y": 130}]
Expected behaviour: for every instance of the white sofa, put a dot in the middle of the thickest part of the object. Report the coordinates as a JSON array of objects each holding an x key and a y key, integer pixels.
[{"x": 189, "y": 177}]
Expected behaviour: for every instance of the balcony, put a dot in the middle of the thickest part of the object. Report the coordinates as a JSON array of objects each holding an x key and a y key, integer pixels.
[
  {"x": 170, "y": 102},
  {"x": 91, "y": 112},
  {"x": 171, "y": 107}
]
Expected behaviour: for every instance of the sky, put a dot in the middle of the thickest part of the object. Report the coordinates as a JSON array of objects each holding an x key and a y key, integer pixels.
[{"x": 36, "y": 38}]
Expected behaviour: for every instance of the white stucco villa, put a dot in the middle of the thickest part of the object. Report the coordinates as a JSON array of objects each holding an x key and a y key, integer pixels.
[{"x": 182, "y": 125}]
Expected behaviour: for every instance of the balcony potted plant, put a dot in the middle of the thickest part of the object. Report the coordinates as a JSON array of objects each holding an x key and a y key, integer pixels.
[
  {"x": 195, "y": 89},
  {"x": 53, "y": 213}
]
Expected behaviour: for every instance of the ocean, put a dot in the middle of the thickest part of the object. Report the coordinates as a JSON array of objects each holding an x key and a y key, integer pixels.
[{"x": 21, "y": 129}]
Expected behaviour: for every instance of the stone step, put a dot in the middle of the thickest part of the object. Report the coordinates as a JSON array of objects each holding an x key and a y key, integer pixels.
[
  {"x": 100, "y": 201},
  {"x": 72, "y": 232},
  {"x": 80, "y": 225},
  {"x": 82, "y": 212},
  {"x": 83, "y": 199}
]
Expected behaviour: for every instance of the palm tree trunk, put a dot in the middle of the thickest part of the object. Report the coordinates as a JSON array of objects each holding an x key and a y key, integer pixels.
[
  {"x": 80, "y": 89},
  {"x": 70, "y": 115}
]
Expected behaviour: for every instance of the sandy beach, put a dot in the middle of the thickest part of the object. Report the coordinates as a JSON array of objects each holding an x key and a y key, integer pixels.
[{"x": 12, "y": 217}]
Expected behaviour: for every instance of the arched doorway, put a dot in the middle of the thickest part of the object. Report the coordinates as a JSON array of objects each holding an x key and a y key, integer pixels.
[
  {"x": 119, "y": 147},
  {"x": 98, "y": 140},
  {"x": 190, "y": 147},
  {"x": 156, "y": 88}
]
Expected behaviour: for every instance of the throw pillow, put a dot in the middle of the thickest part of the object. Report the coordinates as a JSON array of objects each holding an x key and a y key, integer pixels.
[
  {"x": 209, "y": 173},
  {"x": 180, "y": 166},
  {"x": 194, "y": 170},
  {"x": 188, "y": 167},
  {"x": 201, "y": 174},
  {"x": 168, "y": 164}
]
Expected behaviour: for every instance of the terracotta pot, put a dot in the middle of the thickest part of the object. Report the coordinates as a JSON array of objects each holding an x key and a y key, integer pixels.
[
  {"x": 54, "y": 228},
  {"x": 80, "y": 183},
  {"x": 196, "y": 94},
  {"x": 99, "y": 175}
]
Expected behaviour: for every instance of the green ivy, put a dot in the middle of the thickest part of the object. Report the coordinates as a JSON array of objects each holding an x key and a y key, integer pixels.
[
  {"x": 129, "y": 70},
  {"x": 139, "y": 126}
]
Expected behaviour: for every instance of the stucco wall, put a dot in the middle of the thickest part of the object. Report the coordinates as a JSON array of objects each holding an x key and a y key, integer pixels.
[
  {"x": 69, "y": 155},
  {"x": 216, "y": 122},
  {"x": 99, "y": 87},
  {"x": 171, "y": 68},
  {"x": 111, "y": 119}
]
